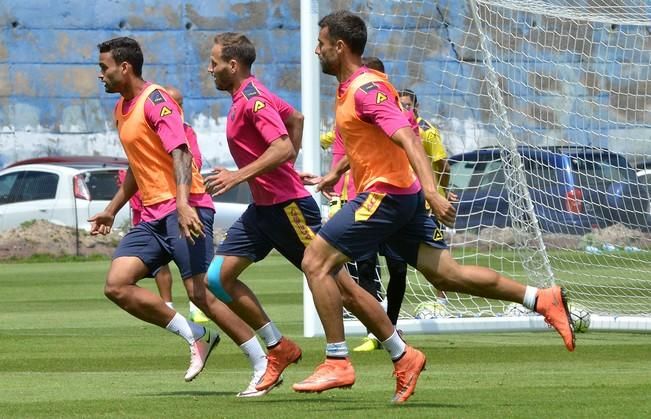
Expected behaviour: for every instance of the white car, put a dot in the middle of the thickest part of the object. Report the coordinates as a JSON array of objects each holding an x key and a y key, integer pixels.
[{"x": 60, "y": 191}]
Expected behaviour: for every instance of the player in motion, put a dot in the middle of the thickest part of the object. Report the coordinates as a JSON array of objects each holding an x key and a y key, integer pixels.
[
  {"x": 264, "y": 134},
  {"x": 177, "y": 215},
  {"x": 163, "y": 276},
  {"x": 382, "y": 150}
]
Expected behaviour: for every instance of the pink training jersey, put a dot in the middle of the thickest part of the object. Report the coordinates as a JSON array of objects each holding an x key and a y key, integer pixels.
[
  {"x": 387, "y": 115},
  {"x": 255, "y": 120},
  {"x": 170, "y": 129}
]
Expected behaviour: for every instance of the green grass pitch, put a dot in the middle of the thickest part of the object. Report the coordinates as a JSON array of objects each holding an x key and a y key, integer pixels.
[{"x": 66, "y": 351}]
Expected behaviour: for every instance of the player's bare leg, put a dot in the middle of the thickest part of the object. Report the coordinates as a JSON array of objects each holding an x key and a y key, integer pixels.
[
  {"x": 438, "y": 266},
  {"x": 121, "y": 288},
  {"x": 222, "y": 280},
  {"x": 163, "y": 280},
  {"x": 320, "y": 260}
]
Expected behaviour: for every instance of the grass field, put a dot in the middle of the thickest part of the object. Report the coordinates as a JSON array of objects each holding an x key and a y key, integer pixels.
[{"x": 66, "y": 351}]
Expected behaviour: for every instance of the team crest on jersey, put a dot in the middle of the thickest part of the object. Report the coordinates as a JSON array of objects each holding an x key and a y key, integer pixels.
[
  {"x": 258, "y": 105},
  {"x": 368, "y": 87},
  {"x": 438, "y": 235},
  {"x": 250, "y": 91},
  {"x": 165, "y": 111},
  {"x": 156, "y": 97},
  {"x": 381, "y": 97}
]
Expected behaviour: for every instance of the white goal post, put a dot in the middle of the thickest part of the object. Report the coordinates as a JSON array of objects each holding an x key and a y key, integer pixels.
[{"x": 546, "y": 105}]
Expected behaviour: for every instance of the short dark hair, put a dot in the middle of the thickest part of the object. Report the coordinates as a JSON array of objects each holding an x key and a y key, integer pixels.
[
  {"x": 374, "y": 63},
  {"x": 344, "y": 25},
  {"x": 236, "y": 46},
  {"x": 411, "y": 94},
  {"x": 124, "y": 49}
]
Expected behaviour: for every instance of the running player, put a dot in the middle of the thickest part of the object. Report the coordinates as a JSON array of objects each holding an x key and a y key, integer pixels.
[
  {"x": 264, "y": 135},
  {"x": 177, "y": 215},
  {"x": 394, "y": 178}
]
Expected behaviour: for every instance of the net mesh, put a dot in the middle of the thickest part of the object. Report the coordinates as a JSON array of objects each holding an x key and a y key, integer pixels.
[{"x": 543, "y": 108}]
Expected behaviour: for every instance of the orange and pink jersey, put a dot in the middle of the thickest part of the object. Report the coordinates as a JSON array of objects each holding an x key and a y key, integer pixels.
[
  {"x": 150, "y": 127},
  {"x": 368, "y": 113},
  {"x": 345, "y": 187},
  {"x": 254, "y": 121},
  {"x": 136, "y": 200}
]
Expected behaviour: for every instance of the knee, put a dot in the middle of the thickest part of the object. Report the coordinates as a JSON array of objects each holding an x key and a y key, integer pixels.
[
  {"x": 216, "y": 281},
  {"x": 113, "y": 291},
  {"x": 308, "y": 265}
]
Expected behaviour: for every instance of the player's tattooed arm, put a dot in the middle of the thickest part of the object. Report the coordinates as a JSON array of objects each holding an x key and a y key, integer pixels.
[
  {"x": 182, "y": 159},
  {"x": 189, "y": 222}
]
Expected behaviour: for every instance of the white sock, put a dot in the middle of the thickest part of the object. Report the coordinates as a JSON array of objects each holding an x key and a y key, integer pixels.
[
  {"x": 169, "y": 304},
  {"x": 269, "y": 334},
  {"x": 193, "y": 308},
  {"x": 530, "y": 298},
  {"x": 337, "y": 350},
  {"x": 394, "y": 345},
  {"x": 255, "y": 354},
  {"x": 186, "y": 329}
]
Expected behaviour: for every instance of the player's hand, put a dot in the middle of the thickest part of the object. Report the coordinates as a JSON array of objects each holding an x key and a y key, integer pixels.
[
  {"x": 101, "y": 223},
  {"x": 221, "y": 180},
  {"x": 442, "y": 209},
  {"x": 309, "y": 179},
  {"x": 189, "y": 223},
  {"x": 453, "y": 198},
  {"x": 327, "y": 183}
]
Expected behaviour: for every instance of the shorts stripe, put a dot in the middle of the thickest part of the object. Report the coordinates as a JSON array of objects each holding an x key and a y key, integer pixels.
[{"x": 297, "y": 220}]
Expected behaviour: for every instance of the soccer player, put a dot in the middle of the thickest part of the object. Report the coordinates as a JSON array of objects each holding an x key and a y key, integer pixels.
[
  {"x": 395, "y": 180},
  {"x": 163, "y": 276},
  {"x": 431, "y": 140},
  {"x": 177, "y": 215},
  {"x": 264, "y": 135}
]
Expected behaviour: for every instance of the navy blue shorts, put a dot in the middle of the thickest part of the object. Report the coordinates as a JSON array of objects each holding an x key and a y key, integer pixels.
[
  {"x": 158, "y": 242},
  {"x": 396, "y": 223},
  {"x": 288, "y": 227}
]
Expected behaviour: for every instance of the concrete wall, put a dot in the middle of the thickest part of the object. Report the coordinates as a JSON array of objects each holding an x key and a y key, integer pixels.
[{"x": 51, "y": 101}]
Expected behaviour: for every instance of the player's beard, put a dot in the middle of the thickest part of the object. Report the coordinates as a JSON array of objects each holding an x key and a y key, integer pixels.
[
  {"x": 327, "y": 68},
  {"x": 222, "y": 83}
]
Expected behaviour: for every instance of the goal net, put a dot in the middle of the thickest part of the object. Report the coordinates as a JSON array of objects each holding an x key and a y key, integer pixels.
[{"x": 544, "y": 108}]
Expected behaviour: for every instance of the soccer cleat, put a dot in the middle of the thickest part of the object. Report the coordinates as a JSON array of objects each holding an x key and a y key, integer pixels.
[
  {"x": 407, "y": 370},
  {"x": 251, "y": 391},
  {"x": 552, "y": 304},
  {"x": 333, "y": 373},
  {"x": 197, "y": 316},
  {"x": 368, "y": 345},
  {"x": 199, "y": 353},
  {"x": 279, "y": 357}
]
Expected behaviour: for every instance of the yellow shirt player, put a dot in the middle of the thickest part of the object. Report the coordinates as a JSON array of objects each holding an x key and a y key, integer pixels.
[{"x": 431, "y": 141}]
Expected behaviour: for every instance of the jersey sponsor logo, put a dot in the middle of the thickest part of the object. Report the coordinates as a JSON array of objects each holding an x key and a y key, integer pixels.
[
  {"x": 156, "y": 97},
  {"x": 368, "y": 87},
  {"x": 369, "y": 206},
  {"x": 297, "y": 220},
  {"x": 250, "y": 91},
  {"x": 381, "y": 97},
  {"x": 165, "y": 111},
  {"x": 258, "y": 105}
]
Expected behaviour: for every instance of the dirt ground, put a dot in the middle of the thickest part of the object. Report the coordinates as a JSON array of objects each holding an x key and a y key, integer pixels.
[{"x": 42, "y": 237}]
